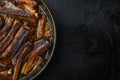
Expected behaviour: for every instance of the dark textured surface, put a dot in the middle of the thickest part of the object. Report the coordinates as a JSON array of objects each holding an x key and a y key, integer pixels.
[{"x": 88, "y": 40}]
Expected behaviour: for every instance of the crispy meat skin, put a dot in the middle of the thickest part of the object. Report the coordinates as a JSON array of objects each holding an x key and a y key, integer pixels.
[
  {"x": 16, "y": 43},
  {"x": 22, "y": 53},
  {"x": 41, "y": 27},
  {"x": 31, "y": 3},
  {"x": 4, "y": 44},
  {"x": 39, "y": 48},
  {"x": 26, "y": 45},
  {"x": 16, "y": 51},
  {"x": 5, "y": 29},
  {"x": 18, "y": 13},
  {"x": 36, "y": 64}
]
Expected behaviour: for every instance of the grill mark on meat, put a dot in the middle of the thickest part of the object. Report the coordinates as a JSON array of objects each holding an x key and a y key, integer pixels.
[
  {"x": 20, "y": 58},
  {"x": 41, "y": 27},
  {"x": 39, "y": 48},
  {"x": 4, "y": 44},
  {"x": 18, "y": 13},
  {"x": 26, "y": 45},
  {"x": 6, "y": 28},
  {"x": 16, "y": 43}
]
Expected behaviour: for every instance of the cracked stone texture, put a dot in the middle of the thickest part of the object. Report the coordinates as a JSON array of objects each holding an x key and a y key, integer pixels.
[{"x": 88, "y": 40}]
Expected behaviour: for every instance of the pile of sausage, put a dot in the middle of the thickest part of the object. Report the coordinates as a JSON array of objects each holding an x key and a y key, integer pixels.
[{"x": 22, "y": 38}]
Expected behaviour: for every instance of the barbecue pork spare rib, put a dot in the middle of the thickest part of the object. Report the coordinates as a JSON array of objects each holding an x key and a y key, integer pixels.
[{"x": 24, "y": 38}]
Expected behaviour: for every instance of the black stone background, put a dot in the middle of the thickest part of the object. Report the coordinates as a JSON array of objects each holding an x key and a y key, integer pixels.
[{"x": 88, "y": 40}]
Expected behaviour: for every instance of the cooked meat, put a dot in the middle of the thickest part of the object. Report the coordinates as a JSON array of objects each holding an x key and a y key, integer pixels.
[
  {"x": 3, "y": 67},
  {"x": 6, "y": 73},
  {"x": 39, "y": 48},
  {"x": 18, "y": 13},
  {"x": 23, "y": 41},
  {"x": 5, "y": 43},
  {"x": 41, "y": 27},
  {"x": 6, "y": 28},
  {"x": 20, "y": 51},
  {"x": 31, "y": 3},
  {"x": 36, "y": 64},
  {"x": 28, "y": 7},
  {"x": 16, "y": 43},
  {"x": 20, "y": 58}
]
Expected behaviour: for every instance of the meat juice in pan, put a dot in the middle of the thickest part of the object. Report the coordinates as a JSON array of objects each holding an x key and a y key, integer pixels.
[{"x": 24, "y": 38}]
